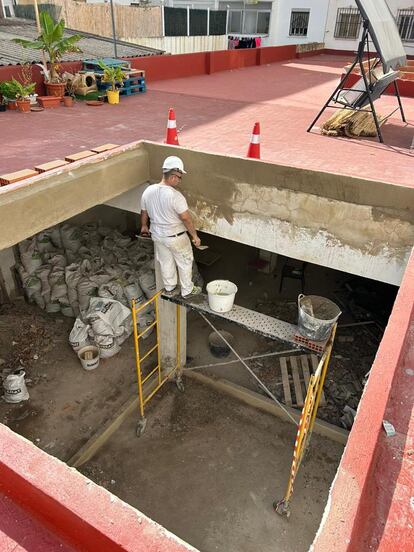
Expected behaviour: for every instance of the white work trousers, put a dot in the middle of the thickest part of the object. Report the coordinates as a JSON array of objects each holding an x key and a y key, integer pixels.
[{"x": 173, "y": 253}]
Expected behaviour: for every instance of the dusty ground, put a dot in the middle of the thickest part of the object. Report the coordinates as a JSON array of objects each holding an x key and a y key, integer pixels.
[
  {"x": 208, "y": 468},
  {"x": 67, "y": 403}
]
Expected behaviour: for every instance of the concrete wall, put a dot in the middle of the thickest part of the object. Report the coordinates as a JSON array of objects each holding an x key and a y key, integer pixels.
[
  {"x": 280, "y": 21},
  {"x": 7, "y": 262},
  {"x": 349, "y": 224},
  {"x": 40, "y": 202}
]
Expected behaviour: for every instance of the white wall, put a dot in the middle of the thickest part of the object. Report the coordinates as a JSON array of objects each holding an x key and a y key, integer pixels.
[
  {"x": 280, "y": 21},
  {"x": 350, "y": 44},
  {"x": 183, "y": 44}
]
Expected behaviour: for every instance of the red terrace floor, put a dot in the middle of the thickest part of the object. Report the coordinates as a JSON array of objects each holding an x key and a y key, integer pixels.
[{"x": 216, "y": 113}]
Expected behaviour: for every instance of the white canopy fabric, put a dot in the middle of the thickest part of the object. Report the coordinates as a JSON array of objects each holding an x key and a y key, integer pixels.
[{"x": 384, "y": 32}]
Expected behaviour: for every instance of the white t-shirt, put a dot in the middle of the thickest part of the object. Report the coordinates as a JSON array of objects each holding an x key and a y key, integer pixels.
[{"x": 163, "y": 204}]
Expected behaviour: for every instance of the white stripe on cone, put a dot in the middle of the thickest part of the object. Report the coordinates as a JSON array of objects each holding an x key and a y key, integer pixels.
[
  {"x": 171, "y": 124},
  {"x": 255, "y": 139}
]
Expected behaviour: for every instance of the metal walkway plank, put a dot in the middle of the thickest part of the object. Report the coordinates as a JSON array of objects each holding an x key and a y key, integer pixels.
[{"x": 259, "y": 323}]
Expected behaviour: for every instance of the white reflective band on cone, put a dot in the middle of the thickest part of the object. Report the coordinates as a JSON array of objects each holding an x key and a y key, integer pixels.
[
  {"x": 255, "y": 139},
  {"x": 171, "y": 124}
]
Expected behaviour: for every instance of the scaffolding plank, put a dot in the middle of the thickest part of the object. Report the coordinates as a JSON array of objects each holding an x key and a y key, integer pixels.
[
  {"x": 285, "y": 381},
  {"x": 296, "y": 381},
  {"x": 315, "y": 362},
  {"x": 259, "y": 323}
]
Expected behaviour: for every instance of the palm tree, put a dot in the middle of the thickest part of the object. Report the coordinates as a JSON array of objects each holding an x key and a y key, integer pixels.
[{"x": 52, "y": 42}]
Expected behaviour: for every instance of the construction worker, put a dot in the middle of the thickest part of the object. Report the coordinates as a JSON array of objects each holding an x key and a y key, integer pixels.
[{"x": 167, "y": 210}]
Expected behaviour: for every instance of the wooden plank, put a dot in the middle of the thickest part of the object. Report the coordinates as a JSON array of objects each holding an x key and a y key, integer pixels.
[
  {"x": 305, "y": 370},
  {"x": 78, "y": 156},
  {"x": 315, "y": 363},
  {"x": 97, "y": 440},
  {"x": 268, "y": 405},
  {"x": 296, "y": 381},
  {"x": 285, "y": 381}
]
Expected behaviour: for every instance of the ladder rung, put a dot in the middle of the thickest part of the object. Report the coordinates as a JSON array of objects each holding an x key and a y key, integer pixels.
[
  {"x": 151, "y": 300},
  {"x": 147, "y": 329},
  {"x": 149, "y": 352},
  {"x": 150, "y": 374}
]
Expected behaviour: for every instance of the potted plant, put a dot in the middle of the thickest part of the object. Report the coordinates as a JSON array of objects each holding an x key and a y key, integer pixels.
[
  {"x": 115, "y": 77},
  {"x": 8, "y": 89},
  {"x": 22, "y": 95},
  {"x": 54, "y": 45},
  {"x": 70, "y": 86}
]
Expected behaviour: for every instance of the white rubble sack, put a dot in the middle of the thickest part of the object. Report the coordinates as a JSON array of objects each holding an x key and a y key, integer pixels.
[
  {"x": 15, "y": 389},
  {"x": 79, "y": 335}
]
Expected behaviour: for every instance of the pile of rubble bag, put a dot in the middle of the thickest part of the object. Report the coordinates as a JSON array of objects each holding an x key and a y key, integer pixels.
[{"x": 90, "y": 273}]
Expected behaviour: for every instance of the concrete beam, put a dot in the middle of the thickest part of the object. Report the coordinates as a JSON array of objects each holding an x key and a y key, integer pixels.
[
  {"x": 351, "y": 224},
  {"x": 37, "y": 203}
]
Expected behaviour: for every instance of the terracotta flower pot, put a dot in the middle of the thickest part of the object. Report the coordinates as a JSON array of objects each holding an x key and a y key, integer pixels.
[
  {"x": 11, "y": 104},
  {"x": 23, "y": 106},
  {"x": 48, "y": 101},
  {"x": 55, "y": 89},
  {"x": 67, "y": 101}
]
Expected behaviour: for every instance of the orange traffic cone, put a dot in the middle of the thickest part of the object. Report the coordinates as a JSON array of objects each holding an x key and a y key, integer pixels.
[
  {"x": 172, "y": 137},
  {"x": 254, "y": 146}
]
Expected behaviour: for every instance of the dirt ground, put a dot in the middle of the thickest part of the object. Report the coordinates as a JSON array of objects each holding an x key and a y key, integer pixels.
[
  {"x": 67, "y": 403},
  {"x": 208, "y": 468}
]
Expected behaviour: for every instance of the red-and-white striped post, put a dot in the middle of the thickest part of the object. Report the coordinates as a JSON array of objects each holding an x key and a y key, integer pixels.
[
  {"x": 172, "y": 136},
  {"x": 254, "y": 146}
]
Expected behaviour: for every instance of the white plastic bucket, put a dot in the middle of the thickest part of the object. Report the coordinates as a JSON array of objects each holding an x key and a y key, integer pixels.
[
  {"x": 221, "y": 294},
  {"x": 89, "y": 351}
]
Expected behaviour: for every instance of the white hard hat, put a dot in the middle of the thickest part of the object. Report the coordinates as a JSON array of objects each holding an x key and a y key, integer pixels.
[{"x": 173, "y": 163}]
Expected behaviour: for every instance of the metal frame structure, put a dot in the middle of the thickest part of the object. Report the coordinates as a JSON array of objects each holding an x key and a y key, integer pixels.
[
  {"x": 369, "y": 86},
  {"x": 156, "y": 378},
  {"x": 306, "y": 423}
]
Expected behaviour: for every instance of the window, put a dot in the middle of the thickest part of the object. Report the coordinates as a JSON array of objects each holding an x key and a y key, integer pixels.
[
  {"x": 248, "y": 22},
  {"x": 299, "y": 21},
  {"x": 235, "y": 21},
  {"x": 263, "y": 21},
  {"x": 406, "y": 24},
  {"x": 348, "y": 23}
]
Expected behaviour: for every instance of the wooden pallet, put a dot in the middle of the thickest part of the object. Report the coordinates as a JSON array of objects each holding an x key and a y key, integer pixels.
[{"x": 296, "y": 372}]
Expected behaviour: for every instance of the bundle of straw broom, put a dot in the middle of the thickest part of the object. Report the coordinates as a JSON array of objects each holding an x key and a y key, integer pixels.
[{"x": 351, "y": 124}]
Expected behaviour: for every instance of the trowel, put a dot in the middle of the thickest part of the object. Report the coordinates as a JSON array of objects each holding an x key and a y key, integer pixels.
[{"x": 202, "y": 247}]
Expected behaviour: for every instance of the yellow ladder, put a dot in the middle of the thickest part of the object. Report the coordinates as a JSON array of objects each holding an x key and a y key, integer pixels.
[
  {"x": 149, "y": 384},
  {"x": 306, "y": 423}
]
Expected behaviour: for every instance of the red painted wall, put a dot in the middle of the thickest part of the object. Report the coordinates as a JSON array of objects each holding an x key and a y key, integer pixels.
[
  {"x": 73, "y": 508},
  {"x": 370, "y": 499},
  {"x": 177, "y": 66}
]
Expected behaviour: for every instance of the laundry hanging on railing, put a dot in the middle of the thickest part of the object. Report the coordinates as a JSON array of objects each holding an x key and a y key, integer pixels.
[{"x": 242, "y": 42}]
